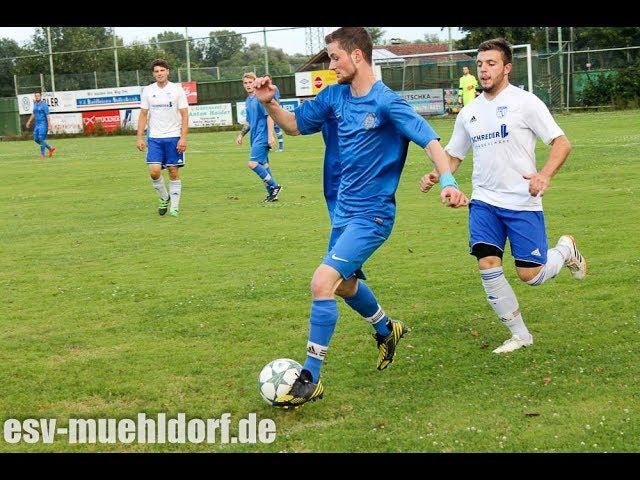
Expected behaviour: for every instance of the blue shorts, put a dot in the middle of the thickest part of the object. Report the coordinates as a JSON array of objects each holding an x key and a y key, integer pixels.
[
  {"x": 164, "y": 151},
  {"x": 525, "y": 230},
  {"x": 352, "y": 244},
  {"x": 260, "y": 153},
  {"x": 40, "y": 133}
]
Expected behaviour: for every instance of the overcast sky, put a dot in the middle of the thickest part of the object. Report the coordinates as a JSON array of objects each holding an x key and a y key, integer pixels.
[{"x": 291, "y": 41}]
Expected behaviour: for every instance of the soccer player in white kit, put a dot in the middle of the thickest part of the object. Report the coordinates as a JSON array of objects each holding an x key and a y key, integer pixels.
[
  {"x": 164, "y": 106},
  {"x": 501, "y": 126}
]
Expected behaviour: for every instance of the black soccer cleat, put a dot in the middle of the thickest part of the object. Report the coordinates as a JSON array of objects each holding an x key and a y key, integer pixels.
[
  {"x": 302, "y": 391},
  {"x": 273, "y": 195},
  {"x": 387, "y": 345},
  {"x": 163, "y": 205}
]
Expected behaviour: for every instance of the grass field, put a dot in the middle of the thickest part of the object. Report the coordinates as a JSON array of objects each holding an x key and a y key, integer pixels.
[{"x": 109, "y": 310}]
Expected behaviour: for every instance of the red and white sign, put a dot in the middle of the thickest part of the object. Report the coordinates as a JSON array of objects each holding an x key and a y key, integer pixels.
[
  {"x": 110, "y": 120},
  {"x": 191, "y": 89}
]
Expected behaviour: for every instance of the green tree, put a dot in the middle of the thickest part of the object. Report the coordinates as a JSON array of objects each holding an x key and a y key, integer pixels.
[
  {"x": 377, "y": 34},
  {"x": 221, "y": 45},
  {"x": 536, "y": 36},
  {"x": 604, "y": 37},
  {"x": 173, "y": 44},
  {"x": 66, "y": 39},
  {"x": 252, "y": 59},
  {"x": 8, "y": 48},
  {"x": 139, "y": 57}
]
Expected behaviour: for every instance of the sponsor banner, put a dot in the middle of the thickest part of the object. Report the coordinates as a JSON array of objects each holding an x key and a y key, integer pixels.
[
  {"x": 66, "y": 123},
  {"x": 425, "y": 102},
  {"x": 84, "y": 100},
  {"x": 108, "y": 98},
  {"x": 218, "y": 114},
  {"x": 110, "y": 120},
  {"x": 288, "y": 104},
  {"x": 310, "y": 83},
  {"x": 58, "y": 102},
  {"x": 241, "y": 112},
  {"x": 191, "y": 89},
  {"x": 129, "y": 118}
]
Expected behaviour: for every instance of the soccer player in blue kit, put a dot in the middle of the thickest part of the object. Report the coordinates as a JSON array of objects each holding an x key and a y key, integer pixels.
[
  {"x": 374, "y": 126},
  {"x": 262, "y": 139},
  {"x": 42, "y": 123}
]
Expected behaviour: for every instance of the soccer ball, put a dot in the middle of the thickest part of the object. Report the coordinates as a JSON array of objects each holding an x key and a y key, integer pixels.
[{"x": 276, "y": 378}]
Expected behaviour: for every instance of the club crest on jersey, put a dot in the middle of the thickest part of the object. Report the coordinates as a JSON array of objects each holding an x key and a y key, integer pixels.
[
  {"x": 369, "y": 121},
  {"x": 501, "y": 111}
]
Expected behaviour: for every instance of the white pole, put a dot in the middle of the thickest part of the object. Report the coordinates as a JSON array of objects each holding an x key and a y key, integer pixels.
[
  {"x": 529, "y": 69},
  {"x": 53, "y": 80},
  {"x": 186, "y": 32},
  {"x": 115, "y": 57}
]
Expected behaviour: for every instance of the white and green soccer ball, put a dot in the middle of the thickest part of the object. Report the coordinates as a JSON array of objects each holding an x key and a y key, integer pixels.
[{"x": 276, "y": 378}]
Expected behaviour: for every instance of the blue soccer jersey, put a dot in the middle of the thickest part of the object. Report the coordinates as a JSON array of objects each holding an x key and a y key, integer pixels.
[
  {"x": 40, "y": 112},
  {"x": 373, "y": 136},
  {"x": 332, "y": 167},
  {"x": 257, "y": 118}
]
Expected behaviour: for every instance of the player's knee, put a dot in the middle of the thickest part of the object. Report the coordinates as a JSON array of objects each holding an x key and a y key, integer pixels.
[
  {"x": 252, "y": 164},
  {"x": 348, "y": 288},
  {"x": 322, "y": 284},
  {"x": 527, "y": 271},
  {"x": 489, "y": 256},
  {"x": 174, "y": 174}
]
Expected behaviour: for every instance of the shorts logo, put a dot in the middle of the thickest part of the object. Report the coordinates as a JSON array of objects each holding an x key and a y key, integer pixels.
[
  {"x": 501, "y": 111},
  {"x": 369, "y": 121},
  {"x": 536, "y": 252},
  {"x": 334, "y": 257}
]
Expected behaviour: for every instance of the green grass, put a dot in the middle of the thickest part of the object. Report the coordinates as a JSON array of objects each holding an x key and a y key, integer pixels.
[{"x": 109, "y": 310}]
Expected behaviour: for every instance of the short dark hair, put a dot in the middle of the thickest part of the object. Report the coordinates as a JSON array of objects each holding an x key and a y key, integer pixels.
[
  {"x": 498, "y": 44},
  {"x": 159, "y": 63},
  {"x": 350, "y": 38}
]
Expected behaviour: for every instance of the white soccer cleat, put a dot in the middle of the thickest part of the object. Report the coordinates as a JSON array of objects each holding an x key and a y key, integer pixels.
[
  {"x": 514, "y": 343},
  {"x": 576, "y": 263}
]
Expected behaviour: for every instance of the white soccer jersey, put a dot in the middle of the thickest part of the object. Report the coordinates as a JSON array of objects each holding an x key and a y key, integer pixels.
[
  {"x": 503, "y": 134},
  {"x": 164, "y": 119}
]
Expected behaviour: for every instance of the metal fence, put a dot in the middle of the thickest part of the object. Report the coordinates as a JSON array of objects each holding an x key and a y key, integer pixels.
[{"x": 558, "y": 77}]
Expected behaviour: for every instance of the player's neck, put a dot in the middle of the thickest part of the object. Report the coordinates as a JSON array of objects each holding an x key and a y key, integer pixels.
[
  {"x": 163, "y": 84},
  {"x": 362, "y": 82},
  {"x": 494, "y": 93}
]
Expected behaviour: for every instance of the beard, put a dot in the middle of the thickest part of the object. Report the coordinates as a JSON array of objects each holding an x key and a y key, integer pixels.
[{"x": 346, "y": 79}]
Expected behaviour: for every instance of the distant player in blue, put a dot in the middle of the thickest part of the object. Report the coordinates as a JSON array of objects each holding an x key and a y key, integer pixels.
[
  {"x": 262, "y": 139},
  {"x": 42, "y": 124},
  {"x": 276, "y": 127},
  {"x": 374, "y": 126}
]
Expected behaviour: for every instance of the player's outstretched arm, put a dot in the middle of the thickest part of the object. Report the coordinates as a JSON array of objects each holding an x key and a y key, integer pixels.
[
  {"x": 28, "y": 124},
  {"x": 539, "y": 182},
  {"x": 450, "y": 195},
  {"x": 265, "y": 92},
  {"x": 433, "y": 177}
]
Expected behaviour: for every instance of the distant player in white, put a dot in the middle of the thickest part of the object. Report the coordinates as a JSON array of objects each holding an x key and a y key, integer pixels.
[
  {"x": 501, "y": 125},
  {"x": 164, "y": 105}
]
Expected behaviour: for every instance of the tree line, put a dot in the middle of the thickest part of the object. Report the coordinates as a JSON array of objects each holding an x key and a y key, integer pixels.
[{"x": 226, "y": 48}]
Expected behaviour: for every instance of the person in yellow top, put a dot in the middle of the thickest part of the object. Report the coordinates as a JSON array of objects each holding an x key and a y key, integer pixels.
[{"x": 468, "y": 84}]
